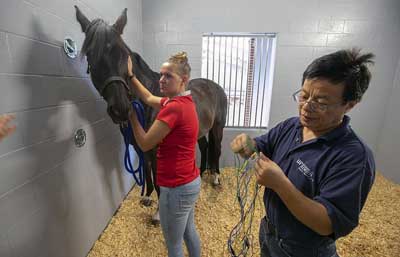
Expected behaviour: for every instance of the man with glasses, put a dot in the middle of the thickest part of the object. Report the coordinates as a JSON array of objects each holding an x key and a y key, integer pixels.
[{"x": 316, "y": 171}]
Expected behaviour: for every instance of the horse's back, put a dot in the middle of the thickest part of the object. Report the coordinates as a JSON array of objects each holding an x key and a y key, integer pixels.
[{"x": 211, "y": 103}]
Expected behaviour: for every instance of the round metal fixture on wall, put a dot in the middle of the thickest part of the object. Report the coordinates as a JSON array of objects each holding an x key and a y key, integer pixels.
[
  {"x": 80, "y": 138},
  {"x": 70, "y": 48}
]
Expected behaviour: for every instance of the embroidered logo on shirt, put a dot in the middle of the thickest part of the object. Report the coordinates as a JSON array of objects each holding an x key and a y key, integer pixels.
[{"x": 304, "y": 169}]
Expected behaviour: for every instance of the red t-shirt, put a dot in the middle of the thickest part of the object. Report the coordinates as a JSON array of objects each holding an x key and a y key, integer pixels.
[{"x": 176, "y": 155}]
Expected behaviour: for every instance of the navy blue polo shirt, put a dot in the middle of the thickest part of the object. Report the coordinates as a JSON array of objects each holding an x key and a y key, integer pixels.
[{"x": 336, "y": 170}]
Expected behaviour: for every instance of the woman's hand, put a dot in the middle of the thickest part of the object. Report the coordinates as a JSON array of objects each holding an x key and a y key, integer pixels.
[
  {"x": 130, "y": 67},
  {"x": 133, "y": 118},
  {"x": 140, "y": 90},
  {"x": 5, "y": 128}
]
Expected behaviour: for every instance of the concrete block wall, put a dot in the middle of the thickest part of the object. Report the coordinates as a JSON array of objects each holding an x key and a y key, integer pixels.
[
  {"x": 389, "y": 140},
  {"x": 55, "y": 198}
]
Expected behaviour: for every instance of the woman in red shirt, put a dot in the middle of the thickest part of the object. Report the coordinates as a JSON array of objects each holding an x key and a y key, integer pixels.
[{"x": 175, "y": 132}]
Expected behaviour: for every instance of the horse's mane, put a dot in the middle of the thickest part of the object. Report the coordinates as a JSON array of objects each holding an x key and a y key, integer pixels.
[{"x": 141, "y": 65}]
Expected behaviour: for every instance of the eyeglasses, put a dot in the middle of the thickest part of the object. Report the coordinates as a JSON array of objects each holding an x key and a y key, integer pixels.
[{"x": 314, "y": 105}]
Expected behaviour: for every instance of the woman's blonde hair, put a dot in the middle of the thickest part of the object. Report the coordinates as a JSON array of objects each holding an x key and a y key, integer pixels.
[{"x": 180, "y": 60}]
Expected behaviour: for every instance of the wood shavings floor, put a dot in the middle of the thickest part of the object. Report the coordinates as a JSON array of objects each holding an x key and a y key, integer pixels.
[{"x": 130, "y": 233}]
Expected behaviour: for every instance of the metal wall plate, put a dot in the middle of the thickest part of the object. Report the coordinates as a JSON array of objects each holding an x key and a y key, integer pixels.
[
  {"x": 70, "y": 48},
  {"x": 80, "y": 138}
]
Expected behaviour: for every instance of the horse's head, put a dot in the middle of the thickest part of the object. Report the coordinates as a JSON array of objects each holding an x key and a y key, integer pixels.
[{"x": 107, "y": 57}]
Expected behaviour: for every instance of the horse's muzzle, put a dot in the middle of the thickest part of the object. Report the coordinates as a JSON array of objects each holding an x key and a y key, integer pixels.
[{"x": 118, "y": 116}]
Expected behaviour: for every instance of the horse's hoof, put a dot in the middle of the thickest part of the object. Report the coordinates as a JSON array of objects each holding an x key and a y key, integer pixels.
[
  {"x": 155, "y": 220},
  {"x": 146, "y": 201},
  {"x": 216, "y": 181}
]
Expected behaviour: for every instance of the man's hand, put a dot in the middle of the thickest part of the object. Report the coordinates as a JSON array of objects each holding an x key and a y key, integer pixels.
[
  {"x": 5, "y": 128},
  {"x": 309, "y": 212},
  {"x": 268, "y": 173},
  {"x": 243, "y": 145}
]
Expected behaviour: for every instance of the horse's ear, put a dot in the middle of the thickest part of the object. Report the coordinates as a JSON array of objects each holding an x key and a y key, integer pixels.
[
  {"x": 82, "y": 19},
  {"x": 119, "y": 25}
]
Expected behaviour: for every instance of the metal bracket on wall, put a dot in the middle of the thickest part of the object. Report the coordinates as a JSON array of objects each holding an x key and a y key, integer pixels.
[
  {"x": 70, "y": 48},
  {"x": 80, "y": 138}
]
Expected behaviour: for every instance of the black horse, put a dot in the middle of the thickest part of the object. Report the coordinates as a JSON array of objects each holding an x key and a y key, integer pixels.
[{"x": 107, "y": 56}]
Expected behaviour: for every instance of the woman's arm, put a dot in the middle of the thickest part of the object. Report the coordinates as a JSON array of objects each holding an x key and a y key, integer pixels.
[
  {"x": 145, "y": 95},
  {"x": 146, "y": 141}
]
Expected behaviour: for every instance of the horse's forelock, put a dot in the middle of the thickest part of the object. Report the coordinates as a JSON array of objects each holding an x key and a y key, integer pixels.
[{"x": 98, "y": 35}]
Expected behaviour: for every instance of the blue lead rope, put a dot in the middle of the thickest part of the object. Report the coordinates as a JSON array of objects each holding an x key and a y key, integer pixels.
[{"x": 127, "y": 132}]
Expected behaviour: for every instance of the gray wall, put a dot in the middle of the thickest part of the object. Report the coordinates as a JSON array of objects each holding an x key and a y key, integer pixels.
[
  {"x": 306, "y": 29},
  {"x": 389, "y": 141},
  {"x": 55, "y": 198}
]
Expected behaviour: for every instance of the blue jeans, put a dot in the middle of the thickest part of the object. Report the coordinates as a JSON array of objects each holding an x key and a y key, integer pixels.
[
  {"x": 177, "y": 218},
  {"x": 273, "y": 246}
]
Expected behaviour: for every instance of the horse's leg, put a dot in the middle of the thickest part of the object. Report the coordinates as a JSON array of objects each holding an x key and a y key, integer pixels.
[
  {"x": 155, "y": 219},
  {"x": 203, "y": 145},
  {"x": 154, "y": 172},
  {"x": 214, "y": 150},
  {"x": 146, "y": 200}
]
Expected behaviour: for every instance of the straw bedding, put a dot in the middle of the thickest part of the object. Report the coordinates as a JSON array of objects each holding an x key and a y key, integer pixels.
[{"x": 130, "y": 232}]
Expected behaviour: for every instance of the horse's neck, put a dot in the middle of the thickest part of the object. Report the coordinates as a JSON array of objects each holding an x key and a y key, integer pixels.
[{"x": 147, "y": 76}]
